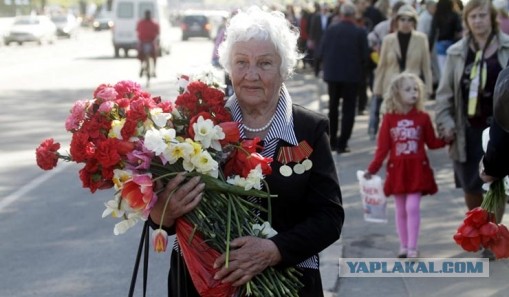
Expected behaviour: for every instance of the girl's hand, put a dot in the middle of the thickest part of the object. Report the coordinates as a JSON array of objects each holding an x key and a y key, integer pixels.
[
  {"x": 249, "y": 256},
  {"x": 367, "y": 175},
  {"x": 184, "y": 197}
]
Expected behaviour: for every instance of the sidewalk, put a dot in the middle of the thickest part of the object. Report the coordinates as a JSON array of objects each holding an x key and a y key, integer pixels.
[{"x": 441, "y": 214}]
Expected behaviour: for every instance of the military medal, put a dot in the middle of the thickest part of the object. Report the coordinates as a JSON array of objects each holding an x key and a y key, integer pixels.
[
  {"x": 306, "y": 151},
  {"x": 284, "y": 156},
  {"x": 299, "y": 168},
  {"x": 307, "y": 164},
  {"x": 298, "y": 154},
  {"x": 285, "y": 170}
]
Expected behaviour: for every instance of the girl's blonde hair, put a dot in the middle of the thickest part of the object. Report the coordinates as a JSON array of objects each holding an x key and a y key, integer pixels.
[{"x": 392, "y": 98}]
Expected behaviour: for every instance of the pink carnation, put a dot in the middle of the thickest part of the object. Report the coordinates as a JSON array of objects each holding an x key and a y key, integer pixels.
[
  {"x": 107, "y": 93},
  {"x": 127, "y": 89},
  {"x": 78, "y": 112},
  {"x": 106, "y": 106}
]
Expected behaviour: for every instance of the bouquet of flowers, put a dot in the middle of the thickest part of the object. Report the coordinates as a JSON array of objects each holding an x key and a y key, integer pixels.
[
  {"x": 479, "y": 228},
  {"x": 128, "y": 140}
]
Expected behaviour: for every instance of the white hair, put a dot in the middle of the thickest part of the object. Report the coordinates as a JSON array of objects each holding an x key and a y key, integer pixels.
[{"x": 256, "y": 24}]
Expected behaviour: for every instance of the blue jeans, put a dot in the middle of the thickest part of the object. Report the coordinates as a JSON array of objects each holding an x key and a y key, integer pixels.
[{"x": 374, "y": 115}]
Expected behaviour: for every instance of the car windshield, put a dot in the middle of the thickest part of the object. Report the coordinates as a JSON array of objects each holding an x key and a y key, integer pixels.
[
  {"x": 27, "y": 21},
  {"x": 195, "y": 19}
]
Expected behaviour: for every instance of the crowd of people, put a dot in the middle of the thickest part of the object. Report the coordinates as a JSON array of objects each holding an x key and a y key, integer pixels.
[{"x": 455, "y": 50}]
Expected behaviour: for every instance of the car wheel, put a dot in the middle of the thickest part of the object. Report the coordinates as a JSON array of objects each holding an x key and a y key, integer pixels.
[
  {"x": 7, "y": 43},
  {"x": 126, "y": 52},
  {"x": 20, "y": 42},
  {"x": 117, "y": 52}
]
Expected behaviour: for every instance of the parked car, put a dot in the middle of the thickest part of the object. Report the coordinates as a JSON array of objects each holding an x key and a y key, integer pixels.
[
  {"x": 195, "y": 25},
  {"x": 31, "y": 28},
  {"x": 67, "y": 25},
  {"x": 103, "y": 21}
]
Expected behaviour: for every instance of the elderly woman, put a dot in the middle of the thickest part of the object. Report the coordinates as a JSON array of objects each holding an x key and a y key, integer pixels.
[
  {"x": 465, "y": 94},
  {"x": 259, "y": 53},
  {"x": 404, "y": 50}
]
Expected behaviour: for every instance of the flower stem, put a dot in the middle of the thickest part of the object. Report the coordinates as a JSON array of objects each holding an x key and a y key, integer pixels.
[
  {"x": 164, "y": 208},
  {"x": 228, "y": 228}
]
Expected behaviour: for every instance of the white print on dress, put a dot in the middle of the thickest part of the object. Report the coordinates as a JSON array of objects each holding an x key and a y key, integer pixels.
[{"x": 406, "y": 136}]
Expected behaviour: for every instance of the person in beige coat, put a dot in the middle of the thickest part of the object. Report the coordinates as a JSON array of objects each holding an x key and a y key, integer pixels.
[
  {"x": 464, "y": 100},
  {"x": 405, "y": 50}
]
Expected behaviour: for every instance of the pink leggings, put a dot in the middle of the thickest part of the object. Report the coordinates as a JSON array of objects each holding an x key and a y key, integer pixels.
[{"x": 408, "y": 219}]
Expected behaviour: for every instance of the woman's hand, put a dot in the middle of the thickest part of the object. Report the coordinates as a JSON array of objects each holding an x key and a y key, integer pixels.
[
  {"x": 185, "y": 198},
  {"x": 367, "y": 175},
  {"x": 448, "y": 135},
  {"x": 249, "y": 256}
]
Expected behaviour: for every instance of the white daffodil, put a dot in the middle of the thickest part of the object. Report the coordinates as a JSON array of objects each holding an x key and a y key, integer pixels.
[
  {"x": 159, "y": 117},
  {"x": 255, "y": 176},
  {"x": 116, "y": 127},
  {"x": 116, "y": 207},
  {"x": 205, "y": 164},
  {"x": 122, "y": 227},
  {"x": 207, "y": 76},
  {"x": 120, "y": 177},
  {"x": 176, "y": 151},
  {"x": 253, "y": 179},
  {"x": 156, "y": 140},
  {"x": 238, "y": 181},
  {"x": 264, "y": 230},
  {"x": 188, "y": 165},
  {"x": 208, "y": 134}
]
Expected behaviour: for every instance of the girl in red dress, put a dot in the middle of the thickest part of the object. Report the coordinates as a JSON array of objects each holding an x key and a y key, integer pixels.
[{"x": 405, "y": 129}]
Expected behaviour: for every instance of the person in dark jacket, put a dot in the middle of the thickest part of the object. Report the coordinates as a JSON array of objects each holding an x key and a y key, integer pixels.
[
  {"x": 496, "y": 157},
  {"x": 344, "y": 56},
  {"x": 319, "y": 22}
]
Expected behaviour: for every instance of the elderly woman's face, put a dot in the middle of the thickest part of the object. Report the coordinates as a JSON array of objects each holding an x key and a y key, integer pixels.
[
  {"x": 479, "y": 21},
  {"x": 255, "y": 72}
]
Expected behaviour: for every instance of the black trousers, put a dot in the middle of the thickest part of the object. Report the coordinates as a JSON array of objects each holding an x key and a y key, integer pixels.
[{"x": 348, "y": 92}]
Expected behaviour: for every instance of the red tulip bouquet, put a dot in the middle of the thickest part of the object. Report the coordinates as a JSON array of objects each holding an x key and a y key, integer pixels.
[
  {"x": 479, "y": 229},
  {"x": 128, "y": 140}
]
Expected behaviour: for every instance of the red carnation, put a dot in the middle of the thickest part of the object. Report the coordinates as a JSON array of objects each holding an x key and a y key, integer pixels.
[
  {"x": 81, "y": 148},
  {"x": 107, "y": 153},
  {"x": 47, "y": 154}
]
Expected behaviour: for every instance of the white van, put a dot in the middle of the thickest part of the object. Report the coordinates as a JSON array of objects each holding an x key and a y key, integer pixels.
[{"x": 127, "y": 13}]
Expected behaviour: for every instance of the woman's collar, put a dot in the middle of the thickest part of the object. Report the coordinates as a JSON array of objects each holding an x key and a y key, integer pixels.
[{"x": 282, "y": 127}]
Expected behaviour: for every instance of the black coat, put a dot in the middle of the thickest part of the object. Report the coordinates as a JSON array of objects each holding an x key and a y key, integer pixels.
[
  {"x": 344, "y": 53},
  {"x": 496, "y": 158}
]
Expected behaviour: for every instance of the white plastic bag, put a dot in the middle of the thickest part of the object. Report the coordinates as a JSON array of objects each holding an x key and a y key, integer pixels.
[{"x": 374, "y": 202}]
